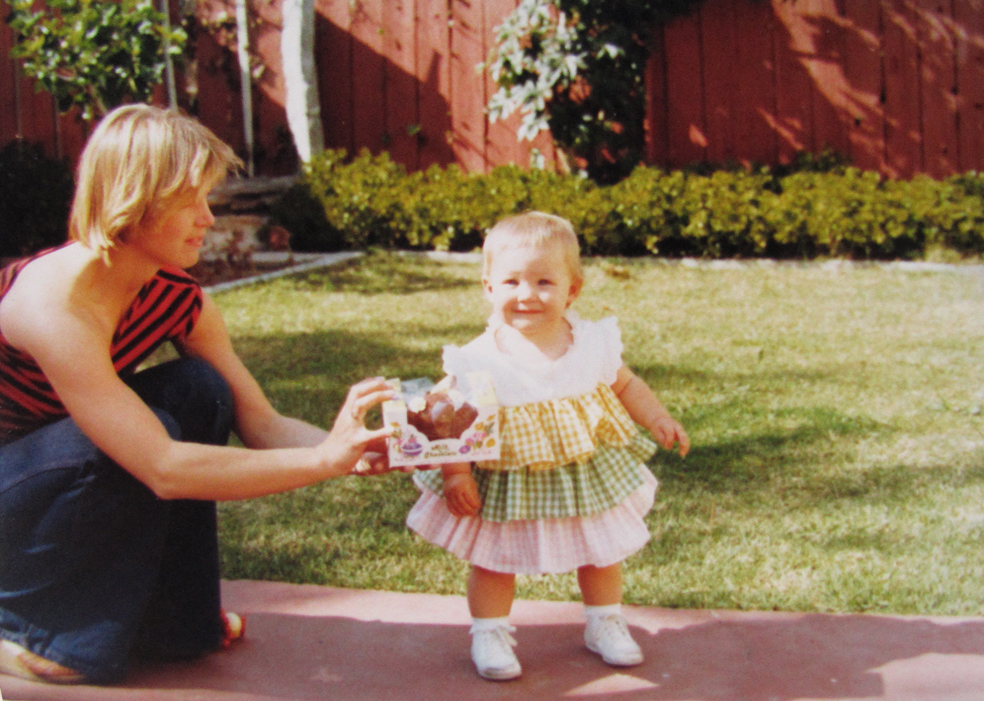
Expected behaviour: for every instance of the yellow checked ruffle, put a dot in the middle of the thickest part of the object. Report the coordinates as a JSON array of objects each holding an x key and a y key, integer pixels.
[{"x": 546, "y": 435}]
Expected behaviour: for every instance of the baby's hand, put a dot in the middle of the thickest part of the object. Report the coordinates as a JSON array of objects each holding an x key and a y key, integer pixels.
[
  {"x": 461, "y": 494},
  {"x": 668, "y": 431}
]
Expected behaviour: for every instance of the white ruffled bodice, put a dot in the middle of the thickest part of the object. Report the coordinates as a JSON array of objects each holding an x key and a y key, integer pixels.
[
  {"x": 594, "y": 357},
  {"x": 568, "y": 446}
]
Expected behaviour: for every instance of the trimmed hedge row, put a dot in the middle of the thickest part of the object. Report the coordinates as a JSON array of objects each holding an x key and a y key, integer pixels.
[{"x": 842, "y": 211}]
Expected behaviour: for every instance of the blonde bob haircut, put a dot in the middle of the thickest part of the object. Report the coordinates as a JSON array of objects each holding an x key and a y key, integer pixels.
[
  {"x": 533, "y": 229},
  {"x": 139, "y": 160}
]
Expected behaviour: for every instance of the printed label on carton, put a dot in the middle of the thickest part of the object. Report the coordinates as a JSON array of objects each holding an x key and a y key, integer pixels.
[{"x": 456, "y": 420}]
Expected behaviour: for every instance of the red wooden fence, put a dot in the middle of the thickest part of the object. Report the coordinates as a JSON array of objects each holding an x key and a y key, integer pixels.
[{"x": 896, "y": 85}]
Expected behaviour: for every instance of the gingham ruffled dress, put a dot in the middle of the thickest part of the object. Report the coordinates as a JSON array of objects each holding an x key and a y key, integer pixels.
[{"x": 571, "y": 487}]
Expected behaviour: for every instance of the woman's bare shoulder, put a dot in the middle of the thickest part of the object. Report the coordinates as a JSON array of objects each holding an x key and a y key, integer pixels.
[{"x": 39, "y": 305}]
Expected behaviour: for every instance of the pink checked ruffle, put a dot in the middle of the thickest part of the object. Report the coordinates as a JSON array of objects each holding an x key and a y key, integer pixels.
[{"x": 538, "y": 546}]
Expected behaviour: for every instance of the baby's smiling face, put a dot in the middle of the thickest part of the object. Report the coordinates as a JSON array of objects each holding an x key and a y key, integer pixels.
[{"x": 530, "y": 288}]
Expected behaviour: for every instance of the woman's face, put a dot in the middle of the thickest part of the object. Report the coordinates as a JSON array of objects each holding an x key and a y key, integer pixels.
[{"x": 174, "y": 235}]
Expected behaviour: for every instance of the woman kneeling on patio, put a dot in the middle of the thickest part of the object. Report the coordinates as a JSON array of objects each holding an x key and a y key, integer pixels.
[{"x": 109, "y": 476}]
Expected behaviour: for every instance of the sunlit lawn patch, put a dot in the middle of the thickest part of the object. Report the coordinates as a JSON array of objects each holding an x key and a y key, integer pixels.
[{"x": 838, "y": 460}]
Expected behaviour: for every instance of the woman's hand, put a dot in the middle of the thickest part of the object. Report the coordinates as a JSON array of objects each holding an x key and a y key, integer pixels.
[
  {"x": 461, "y": 494},
  {"x": 350, "y": 446}
]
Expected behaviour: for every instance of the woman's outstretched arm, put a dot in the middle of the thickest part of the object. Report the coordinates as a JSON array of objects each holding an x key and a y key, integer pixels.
[{"x": 283, "y": 453}]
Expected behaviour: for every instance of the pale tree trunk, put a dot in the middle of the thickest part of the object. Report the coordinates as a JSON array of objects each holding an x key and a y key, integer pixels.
[
  {"x": 246, "y": 80},
  {"x": 300, "y": 77},
  {"x": 172, "y": 90}
]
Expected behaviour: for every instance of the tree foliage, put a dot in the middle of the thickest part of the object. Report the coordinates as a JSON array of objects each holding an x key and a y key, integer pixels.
[
  {"x": 94, "y": 54},
  {"x": 577, "y": 68}
]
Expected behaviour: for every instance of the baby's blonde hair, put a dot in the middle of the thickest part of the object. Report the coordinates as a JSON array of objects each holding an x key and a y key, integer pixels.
[
  {"x": 533, "y": 229},
  {"x": 138, "y": 159}
]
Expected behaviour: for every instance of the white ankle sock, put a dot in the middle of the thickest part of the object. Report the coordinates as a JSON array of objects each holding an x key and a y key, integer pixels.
[
  {"x": 593, "y": 612},
  {"x": 479, "y": 624}
]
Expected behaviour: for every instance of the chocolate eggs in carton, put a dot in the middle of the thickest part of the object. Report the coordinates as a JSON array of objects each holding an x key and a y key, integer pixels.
[{"x": 456, "y": 420}]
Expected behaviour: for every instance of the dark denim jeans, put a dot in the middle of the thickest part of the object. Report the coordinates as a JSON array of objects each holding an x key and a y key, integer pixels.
[{"x": 93, "y": 566}]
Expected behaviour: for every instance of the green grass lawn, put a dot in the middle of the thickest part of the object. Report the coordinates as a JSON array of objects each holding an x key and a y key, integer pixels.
[{"x": 835, "y": 414}]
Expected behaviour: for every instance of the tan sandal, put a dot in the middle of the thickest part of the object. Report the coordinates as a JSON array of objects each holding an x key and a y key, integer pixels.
[{"x": 18, "y": 662}]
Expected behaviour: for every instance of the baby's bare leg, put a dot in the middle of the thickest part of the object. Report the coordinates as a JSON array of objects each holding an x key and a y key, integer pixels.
[
  {"x": 600, "y": 586},
  {"x": 490, "y": 594}
]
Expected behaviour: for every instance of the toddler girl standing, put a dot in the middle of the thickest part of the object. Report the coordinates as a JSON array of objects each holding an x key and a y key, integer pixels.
[{"x": 571, "y": 487}]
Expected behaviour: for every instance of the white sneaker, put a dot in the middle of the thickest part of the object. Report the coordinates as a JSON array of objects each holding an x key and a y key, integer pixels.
[
  {"x": 492, "y": 653},
  {"x": 609, "y": 637}
]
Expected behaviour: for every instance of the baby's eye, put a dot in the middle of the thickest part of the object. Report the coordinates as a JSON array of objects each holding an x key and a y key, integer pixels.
[{"x": 546, "y": 282}]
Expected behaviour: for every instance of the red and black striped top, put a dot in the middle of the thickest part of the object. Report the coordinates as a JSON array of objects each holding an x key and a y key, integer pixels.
[{"x": 165, "y": 309}]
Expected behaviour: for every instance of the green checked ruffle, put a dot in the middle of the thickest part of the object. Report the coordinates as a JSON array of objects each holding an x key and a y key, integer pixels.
[{"x": 584, "y": 489}]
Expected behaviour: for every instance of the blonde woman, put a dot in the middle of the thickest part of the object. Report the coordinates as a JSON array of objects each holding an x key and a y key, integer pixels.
[{"x": 108, "y": 476}]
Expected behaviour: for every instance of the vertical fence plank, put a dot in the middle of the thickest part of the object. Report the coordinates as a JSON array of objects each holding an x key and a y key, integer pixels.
[
  {"x": 755, "y": 103},
  {"x": 467, "y": 90},
  {"x": 544, "y": 147},
  {"x": 38, "y": 117},
  {"x": 832, "y": 92},
  {"x": 969, "y": 20},
  {"x": 72, "y": 134},
  {"x": 368, "y": 76},
  {"x": 686, "y": 126},
  {"x": 8, "y": 78},
  {"x": 35, "y": 116},
  {"x": 719, "y": 46},
  {"x": 400, "y": 107},
  {"x": 863, "y": 68},
  {"x": 903, "y": 137},
  {"x": 937, "y": 45},
  {"x": 434, "y": 73},
  {"x": 219, "y": 105},
  {"x": 657, "y": 119},
  {"x": 502, "y": 144},
  {"x": 333, "y": 54},
  {"x": 795, "y": 92},
  {"x": 274, "y": 148}
]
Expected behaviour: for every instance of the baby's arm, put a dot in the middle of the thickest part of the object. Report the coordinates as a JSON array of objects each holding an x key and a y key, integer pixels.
[
  {"x": 646, "y": 410},
  {"x": 460, "y": 490}
]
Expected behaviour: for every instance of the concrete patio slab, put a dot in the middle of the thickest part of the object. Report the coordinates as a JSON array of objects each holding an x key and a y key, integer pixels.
[{"x": 306, "y": 642}]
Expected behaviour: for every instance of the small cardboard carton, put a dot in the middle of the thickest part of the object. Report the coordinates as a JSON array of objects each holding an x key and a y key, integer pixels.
[{"x": 456, "y": 420}]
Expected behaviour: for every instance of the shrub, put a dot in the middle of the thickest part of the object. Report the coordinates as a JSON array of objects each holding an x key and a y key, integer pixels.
[
  {"x": 856, "y": 214},
  {"x": 721, "y": 215},
  {"x": 303, "y": 215},
  {"x": 35, "y": 197},
  {"x": 359, "y": 197},
  {"x": 449, "y": 210},
  {"x": 822, "y": 209},
  {"x": 952, "y": 212},
  {"x": 644, "y": 213}
]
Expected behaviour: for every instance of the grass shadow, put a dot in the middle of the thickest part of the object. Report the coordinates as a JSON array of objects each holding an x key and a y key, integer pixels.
[
  {"x": 323, "y": 365},
  {"x": 382, "y": 274}
]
